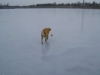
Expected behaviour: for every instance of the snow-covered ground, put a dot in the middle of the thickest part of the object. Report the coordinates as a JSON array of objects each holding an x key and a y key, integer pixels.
[{"x": 74, "y": 48}]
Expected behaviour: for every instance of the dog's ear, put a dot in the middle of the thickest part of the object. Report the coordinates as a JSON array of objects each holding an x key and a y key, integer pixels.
[{"x": 49, "y": 29}]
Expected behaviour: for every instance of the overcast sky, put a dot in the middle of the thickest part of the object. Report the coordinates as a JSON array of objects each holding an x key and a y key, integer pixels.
[{"x": 29, "y": 2}]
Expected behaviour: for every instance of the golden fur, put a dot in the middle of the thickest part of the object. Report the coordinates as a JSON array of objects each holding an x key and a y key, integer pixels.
[{"x": 45, "y": 34}]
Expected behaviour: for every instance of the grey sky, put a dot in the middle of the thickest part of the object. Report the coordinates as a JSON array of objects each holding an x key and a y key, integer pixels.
[{"x": 28, "y": 2}]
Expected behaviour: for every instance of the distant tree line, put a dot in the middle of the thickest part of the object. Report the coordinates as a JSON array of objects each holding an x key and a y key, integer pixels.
[{"x": 55, "y": 5}]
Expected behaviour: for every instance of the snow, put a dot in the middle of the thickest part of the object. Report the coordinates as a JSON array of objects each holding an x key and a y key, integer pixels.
[{"x": 72, "y": 50}]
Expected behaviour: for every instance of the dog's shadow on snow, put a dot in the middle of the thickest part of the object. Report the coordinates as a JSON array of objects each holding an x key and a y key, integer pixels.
[{"x": 45, "y": 49}]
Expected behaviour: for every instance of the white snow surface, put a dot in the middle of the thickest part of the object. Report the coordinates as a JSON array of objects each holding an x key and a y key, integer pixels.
[{"x": 74, "y": 48}]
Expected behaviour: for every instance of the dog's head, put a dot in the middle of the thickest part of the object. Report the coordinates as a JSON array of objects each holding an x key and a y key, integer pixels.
[{"x": 49, "y": 29}]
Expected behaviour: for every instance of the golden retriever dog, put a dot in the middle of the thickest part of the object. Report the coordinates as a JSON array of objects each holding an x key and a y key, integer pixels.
[{"x": 45, "y": 34}]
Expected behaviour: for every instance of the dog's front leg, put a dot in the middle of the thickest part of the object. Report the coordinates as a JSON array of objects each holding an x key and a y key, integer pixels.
[
  {"x": 41, "y": 38},
  {"x": 45, "y": 39}
]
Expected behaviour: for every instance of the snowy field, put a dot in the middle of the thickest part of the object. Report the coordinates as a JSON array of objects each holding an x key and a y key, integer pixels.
[{"x": 74, "y": 48}]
